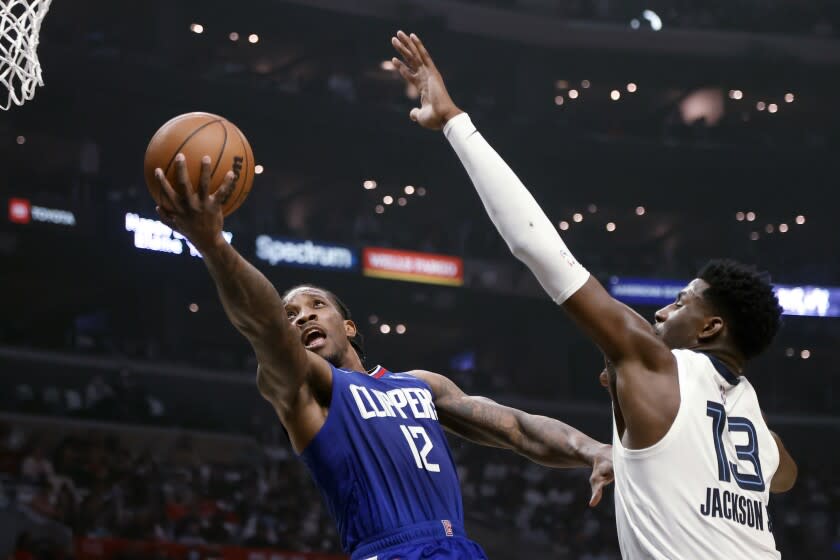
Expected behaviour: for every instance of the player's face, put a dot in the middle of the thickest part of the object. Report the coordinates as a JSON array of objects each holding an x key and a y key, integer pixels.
[
  {"x": 323, "y": 329},
  {"x": 680, "y": 323}
]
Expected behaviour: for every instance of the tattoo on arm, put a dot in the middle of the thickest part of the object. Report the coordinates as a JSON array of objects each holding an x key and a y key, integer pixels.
[{"x": 481, "y": 420}]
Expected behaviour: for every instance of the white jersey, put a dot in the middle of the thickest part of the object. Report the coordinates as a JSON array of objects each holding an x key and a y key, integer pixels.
[{"x": 702, "y": 490}]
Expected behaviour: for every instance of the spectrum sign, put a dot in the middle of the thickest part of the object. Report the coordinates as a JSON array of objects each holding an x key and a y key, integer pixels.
[
  {"x": 153, "y": 235},
  {"x": 808, "y": 301},
  {"x": 412, "y": 266},
  {"x": 305, "y": 253}
]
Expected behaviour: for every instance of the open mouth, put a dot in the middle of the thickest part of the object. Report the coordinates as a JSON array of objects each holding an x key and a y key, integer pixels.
[{"x": 313, "y": 337}]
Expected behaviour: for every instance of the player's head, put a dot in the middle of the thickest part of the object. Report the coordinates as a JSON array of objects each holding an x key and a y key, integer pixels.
[
  {"x": 324, "y": 322},
  {"x": 729, "y": 304}
]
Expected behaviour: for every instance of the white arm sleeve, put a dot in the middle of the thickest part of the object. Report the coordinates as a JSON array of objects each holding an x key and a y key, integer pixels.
[{"x": 528, "y": 232}]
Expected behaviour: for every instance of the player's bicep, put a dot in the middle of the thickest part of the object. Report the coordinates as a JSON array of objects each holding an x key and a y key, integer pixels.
[
  {"x": 476, "y": 419},
  {"x": 481, "y": 420}
]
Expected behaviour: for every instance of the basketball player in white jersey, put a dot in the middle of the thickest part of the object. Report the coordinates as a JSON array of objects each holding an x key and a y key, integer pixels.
[{"x": 694, "y": 459}]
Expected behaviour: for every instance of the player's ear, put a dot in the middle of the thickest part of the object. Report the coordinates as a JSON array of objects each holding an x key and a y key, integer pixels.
[
  {"x": 350, "y": 328},
  {"x": 712, "y": 327}
]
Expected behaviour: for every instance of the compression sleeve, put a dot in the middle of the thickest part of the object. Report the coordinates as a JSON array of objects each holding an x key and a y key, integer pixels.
[{"x": 523, "y": 225}]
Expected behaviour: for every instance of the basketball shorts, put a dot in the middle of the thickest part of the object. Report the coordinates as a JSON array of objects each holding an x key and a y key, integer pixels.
[{"x": 442, "y": 540}]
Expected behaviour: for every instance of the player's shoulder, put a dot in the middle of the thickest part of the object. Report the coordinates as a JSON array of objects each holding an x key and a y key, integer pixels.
[
  {"x": 416, "y": 375},
  {"x": 687, "y": 353},
  {"x": 422, "y": 377},
  {"x": 422, "y": 374},
  {"x": 697, "y": 369},
  {"x": 380, "y": 372},
  {"x": 692, "y": 358}
]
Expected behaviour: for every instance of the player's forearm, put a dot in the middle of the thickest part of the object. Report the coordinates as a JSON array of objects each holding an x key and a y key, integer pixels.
[
  {"x": 541, "y": 439},
  {"x": 526, "y": 229},
  {"x": 250, "y": 301},
  {"x": 552, "y": 443},
  {"x": 256, "y": 310}
]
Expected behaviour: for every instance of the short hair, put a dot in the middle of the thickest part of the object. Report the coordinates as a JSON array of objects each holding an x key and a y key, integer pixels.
[
  {"x": 744, "y": 297},
  {"x": 357, "y": 341}
]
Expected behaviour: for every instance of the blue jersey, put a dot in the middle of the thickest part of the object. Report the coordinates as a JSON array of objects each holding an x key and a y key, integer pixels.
[{"x": 382, "y": 461}]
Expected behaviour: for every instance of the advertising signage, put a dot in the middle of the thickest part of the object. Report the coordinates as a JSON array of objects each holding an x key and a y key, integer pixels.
[
  {"x": 22, "y": 211},
  {"x": 305, "y": 253},
  {"x": 412, "y": 266},
  {"x": 808, "y": 301},
  {"x": 154, "y": 235}
]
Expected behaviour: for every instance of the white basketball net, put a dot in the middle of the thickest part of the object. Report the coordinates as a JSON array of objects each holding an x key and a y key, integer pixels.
[{"x": 20, "y": 72}]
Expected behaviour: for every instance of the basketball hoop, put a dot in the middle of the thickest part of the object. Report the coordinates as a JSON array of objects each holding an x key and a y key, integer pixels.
[{"x": 20, "y": 71}]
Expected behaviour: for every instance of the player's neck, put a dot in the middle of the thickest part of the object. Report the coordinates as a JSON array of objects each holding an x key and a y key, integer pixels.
[
  {"x": 731, "y": 358},
  {"x": 351, "y": 361}
]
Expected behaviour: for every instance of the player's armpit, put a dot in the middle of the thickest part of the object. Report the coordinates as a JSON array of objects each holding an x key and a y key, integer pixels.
[
  {"x": 281, "y": 386},
  {"x": 786, "y": 474},
  {"x": 642, "y": 370},
  {"x": 645, "y": 402},
  {"x": 302, "y": 409},
  {"x": 541, "y": 439}
]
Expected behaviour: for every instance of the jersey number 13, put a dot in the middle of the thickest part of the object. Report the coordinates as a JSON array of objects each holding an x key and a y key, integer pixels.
[{"x": 747, "y": 453}]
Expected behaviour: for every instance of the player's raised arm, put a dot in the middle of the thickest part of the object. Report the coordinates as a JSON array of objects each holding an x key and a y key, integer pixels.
[
  {"x": 541, "y": 439},
  {"x": 250, "y": 300},
  {"x": 620, "y": 332}
]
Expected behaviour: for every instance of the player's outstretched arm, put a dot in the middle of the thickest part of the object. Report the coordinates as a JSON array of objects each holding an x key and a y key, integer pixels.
[
  {"x": 620, "y": 332},
  {"x": 250, "y": 300},
  {"x": 648, "y": 370},
  {"x": 541, "y": 439}
]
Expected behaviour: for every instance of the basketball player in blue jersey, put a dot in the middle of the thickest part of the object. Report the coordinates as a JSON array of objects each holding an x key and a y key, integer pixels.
[
  {"x": 694, "y": 459},
  {"x": 372, "y": 440}
]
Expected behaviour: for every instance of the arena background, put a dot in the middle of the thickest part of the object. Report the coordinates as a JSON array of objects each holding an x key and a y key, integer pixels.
[{"x": 130, "y": 424}]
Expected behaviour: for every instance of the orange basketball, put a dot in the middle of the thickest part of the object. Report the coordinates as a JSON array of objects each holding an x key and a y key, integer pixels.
[{"x": 197, "y": 135}]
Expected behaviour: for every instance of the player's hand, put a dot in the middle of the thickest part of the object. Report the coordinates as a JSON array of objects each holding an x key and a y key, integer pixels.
[
  {"x": 418, "y": 69},
  {"x": 197, "y": 215},
  {"x": 602, "y": 474}
]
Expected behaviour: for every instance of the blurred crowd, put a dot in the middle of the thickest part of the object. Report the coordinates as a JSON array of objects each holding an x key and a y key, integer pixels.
[
  {"x": 99, "y": 485},
  {"x": 104, "y": 397},
  {"x": 96, "y": 486}
]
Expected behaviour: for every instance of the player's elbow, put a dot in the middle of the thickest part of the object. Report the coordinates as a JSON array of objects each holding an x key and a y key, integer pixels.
[
  {"x": 785, "y": 477},
  {"x": 521, "y": 248},
  {"x": 781, "y": 487}
]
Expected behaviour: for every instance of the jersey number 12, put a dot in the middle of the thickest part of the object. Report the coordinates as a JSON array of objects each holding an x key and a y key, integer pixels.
[
  {"x": 747, "y": 453},
  {"x": 411, "y": 433}
]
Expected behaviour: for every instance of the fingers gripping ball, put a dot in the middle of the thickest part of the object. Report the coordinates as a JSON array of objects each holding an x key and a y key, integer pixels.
[{"x": 196, "y": 135}]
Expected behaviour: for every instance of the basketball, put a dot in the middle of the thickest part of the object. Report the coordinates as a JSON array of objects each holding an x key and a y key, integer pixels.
[{"x": 197, "y": 135}]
